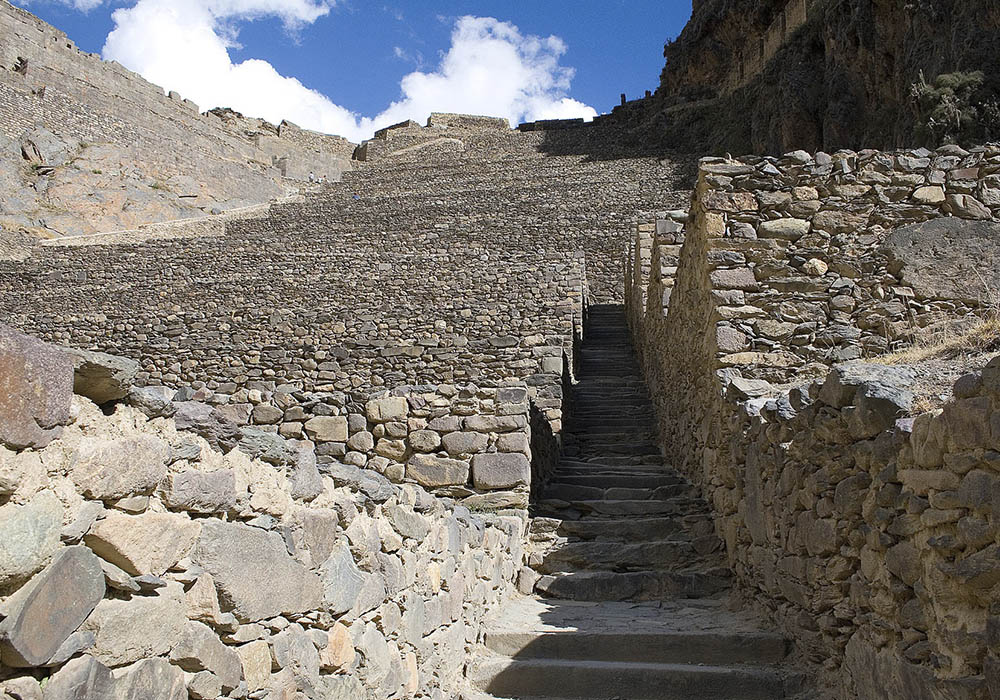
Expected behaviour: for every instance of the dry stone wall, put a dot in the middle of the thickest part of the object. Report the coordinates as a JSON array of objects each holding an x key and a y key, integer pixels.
[
  {"x": 123, "y": 123},
  {"x": 854, "y": 524},
  {"x": 143, "y": 561}
]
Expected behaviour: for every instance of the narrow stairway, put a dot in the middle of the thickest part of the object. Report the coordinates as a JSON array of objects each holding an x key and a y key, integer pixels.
[{"x": 632, "y": 597}]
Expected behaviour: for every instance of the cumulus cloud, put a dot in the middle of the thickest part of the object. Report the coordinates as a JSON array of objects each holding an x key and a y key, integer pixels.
[{"x": 491, "y": 67}]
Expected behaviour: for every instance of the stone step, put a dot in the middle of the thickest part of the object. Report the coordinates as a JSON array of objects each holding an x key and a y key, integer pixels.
[
  {"x": 672, "y": 506},
  {"x": 550, "y": 678},
  {"x": 638, "y": 461},
  {"x": 634, "y": 585},
  {"x": 681, "y": 632},
  {"x": 576, "y": 466},
  {"x": 574, "y": 492},
  {"x": 655, "y": 555},
  {"x": 632, "y": 480},
  {"x": 695, "y": 525}
]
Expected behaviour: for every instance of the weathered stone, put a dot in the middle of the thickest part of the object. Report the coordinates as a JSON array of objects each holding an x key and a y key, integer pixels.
[
  {"x": 294, "y": 651},
  {"x": 304, "y": 477},
  {"x": 500, "y": 471},
  {"x": 266, "y": 414},
  {"x": 904, "y": 561},
  {"x": 126, "y": 631},
  {"x": 435, "y": 472},
  {"x": 467, "y": 442},
  {"x": 783, "y": 229},
  {"x": 424, "y": 440},
  {"x": 152, "y": 679},
  {"x": 84, "y": 678},
  {"x": 76, "y": 643},
  {"x": 270, "y": 447},
  {"x": 407, "y": 523},
  {"x": 255, "y": 659},
  {"x": 327, "y": 428},
  {"x": 154, "y": 401},
  {"x": 930, "y": 194},
  {"x": 495, "y": 424},
  {"x": 202, "y": 492},
  {"x": 387, "y": 409},
  {"x": 204, "y": 685},
  {"x": 112, "y": 469},
  {"x": 943, "y": 258},
  {"x": 968, "y": 207},
  {"x": 149, "y": 543},
  {"x": 338, "y": 653},
  {"x": 36, "y": 387},
  {"x": 102, "y": 377},
  {"x": 51, "y": 607},
  {"x": 223, "y": 549},
  {"x": 30, "y": 537},
  {"x": 217, "y": 429},
  {"x": 199, "y": 649},
  {"x": 361, "y": 441},
  {"x": 342, "y": 580}
]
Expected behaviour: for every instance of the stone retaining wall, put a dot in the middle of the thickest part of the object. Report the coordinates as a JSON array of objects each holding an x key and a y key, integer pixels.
[
  {"x": 76, "y": 94},
  {"x": 836, "y": 521},
  {"x": 142, "y": 561}
]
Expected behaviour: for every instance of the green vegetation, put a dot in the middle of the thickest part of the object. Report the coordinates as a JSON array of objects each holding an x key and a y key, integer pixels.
[{"x": 955, "y": 108}]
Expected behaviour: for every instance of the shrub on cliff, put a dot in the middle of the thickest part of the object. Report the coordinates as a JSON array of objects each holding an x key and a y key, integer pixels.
[{"x": 955, "y": 107}]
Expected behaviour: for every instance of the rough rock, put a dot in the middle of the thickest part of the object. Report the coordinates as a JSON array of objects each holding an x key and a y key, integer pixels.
[
  {"x": 152, "y": 679},
  {"x": 43, "y": 615},
  {"x": 149, "y": 543},
  {"x": 30, "y": 536},
  {"x": 127, "y": 631},
  {"x": 200, "y": 649},
  {"x": 255, "y": 659},
  {"x": 216, "y": 428},
  {"x": 943, "y": 258},
  {"x": 342, "y": 580},
  {"x": 111, "y": 469},
  {"x": 434, "y": 472},
  {"x": 327, "y": 428},
  {"x": 102, "y": 377},
  {"x": 223, "y": 550},
  {"x": 36, "y": 387},
  {"x": 202, "y": 492},
  {"x": 500, "y": 471},
  {"x": 84, "y": 678}
]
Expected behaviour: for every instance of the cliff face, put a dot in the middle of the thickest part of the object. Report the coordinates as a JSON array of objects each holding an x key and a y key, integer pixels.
[{"x": 777, "y": 75}]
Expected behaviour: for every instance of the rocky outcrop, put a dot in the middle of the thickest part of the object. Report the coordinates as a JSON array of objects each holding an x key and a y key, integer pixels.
[{"x": 771, "y": 76}]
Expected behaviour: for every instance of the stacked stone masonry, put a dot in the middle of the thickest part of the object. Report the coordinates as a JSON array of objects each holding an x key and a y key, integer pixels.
[
  {"x": 143, "y": 559},
  {"x": 47, "y": 82},
  {"x": 867, "y": 532}
]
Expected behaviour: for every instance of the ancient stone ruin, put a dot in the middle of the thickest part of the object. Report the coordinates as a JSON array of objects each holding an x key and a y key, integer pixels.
[{"x": 501, "y": 413}]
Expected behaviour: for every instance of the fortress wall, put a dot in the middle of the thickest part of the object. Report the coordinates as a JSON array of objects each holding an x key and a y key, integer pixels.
[
  {"x": 147, "y": 552},
  {"x": 842, "y": 516},
  {"x": 77, "y": 95}
]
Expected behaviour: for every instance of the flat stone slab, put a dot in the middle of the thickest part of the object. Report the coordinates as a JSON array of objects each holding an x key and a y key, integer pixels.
[{"x": 36, "y": 388}]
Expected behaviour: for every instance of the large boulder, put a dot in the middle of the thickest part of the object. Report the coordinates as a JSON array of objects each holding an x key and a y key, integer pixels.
[
  {"x": 200, "y": 649},
  {"x": 43, "y": 615},
  {"x": 232, "y": 553},
  {"x": 946, "y": 258},
  {"x": 102, "y": 377},
  {"x": 36, "y": 388},
  {"x": 152, "y": 679}
]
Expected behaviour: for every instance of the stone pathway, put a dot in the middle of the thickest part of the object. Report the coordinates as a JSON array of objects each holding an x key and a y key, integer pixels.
[{"x": 633, "y": 586}]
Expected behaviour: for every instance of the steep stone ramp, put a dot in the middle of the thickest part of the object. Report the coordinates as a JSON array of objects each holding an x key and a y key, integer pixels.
[{"x": 633, "y": 590}]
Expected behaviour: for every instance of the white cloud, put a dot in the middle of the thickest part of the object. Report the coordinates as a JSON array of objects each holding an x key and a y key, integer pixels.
[{"x": 490, "y": 68}]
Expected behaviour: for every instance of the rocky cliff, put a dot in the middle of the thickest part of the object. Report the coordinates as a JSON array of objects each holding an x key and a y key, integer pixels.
[{"x": 776, "y": 75}]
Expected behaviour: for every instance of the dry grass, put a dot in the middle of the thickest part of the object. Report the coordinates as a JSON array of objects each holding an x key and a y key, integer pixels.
[{"x": 982, "y": 338}]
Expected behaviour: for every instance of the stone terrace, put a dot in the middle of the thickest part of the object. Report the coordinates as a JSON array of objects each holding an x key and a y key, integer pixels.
[{"x": 460, "y": 265}]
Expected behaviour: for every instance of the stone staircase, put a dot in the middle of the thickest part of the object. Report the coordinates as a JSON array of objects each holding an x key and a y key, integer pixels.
[{"x": 632, "y": 588}]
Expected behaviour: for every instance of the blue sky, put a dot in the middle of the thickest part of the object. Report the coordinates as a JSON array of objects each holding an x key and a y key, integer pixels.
[{"x": 358, "y": 65}]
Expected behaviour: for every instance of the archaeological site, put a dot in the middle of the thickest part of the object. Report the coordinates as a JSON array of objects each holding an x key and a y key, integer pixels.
[{"x": 567, "y": 410}]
